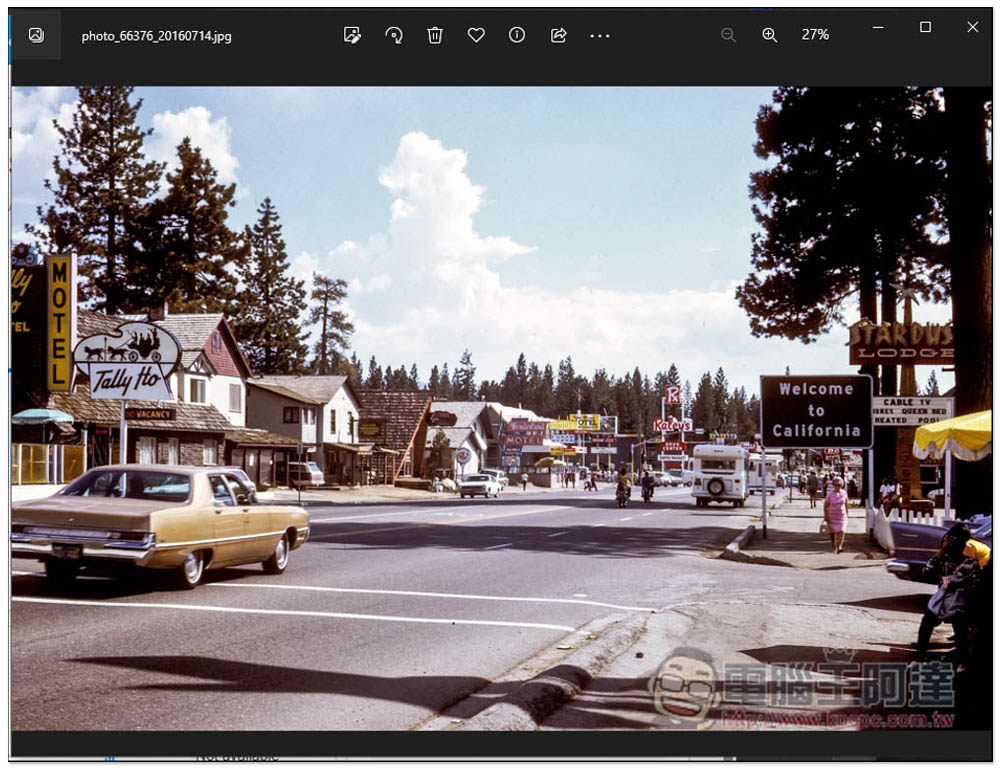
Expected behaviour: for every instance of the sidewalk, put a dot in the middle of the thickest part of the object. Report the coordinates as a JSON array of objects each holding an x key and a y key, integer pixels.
[
  {"x": 383, "y": 493},
  {"x": 793, "y": 539},
  {"x": 778, "y": 664}
]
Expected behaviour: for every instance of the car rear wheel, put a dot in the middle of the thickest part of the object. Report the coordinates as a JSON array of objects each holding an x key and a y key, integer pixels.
[
  {"x": 279, "y": 559},
  {"x": 60, "y": 571},
  {"x": 189, "y": 574}
]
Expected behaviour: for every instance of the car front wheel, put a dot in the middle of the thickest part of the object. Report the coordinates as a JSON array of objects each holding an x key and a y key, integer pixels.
[
  {"x": 279, "y": 559},
  {"x": 190, "y": 572}
]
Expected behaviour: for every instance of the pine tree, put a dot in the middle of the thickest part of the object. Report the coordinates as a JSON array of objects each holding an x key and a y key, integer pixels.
[
  {"x": 102, "y": 182},
  {"x": 334, "y": 328},
  {"x": 465, "y": 378},
  {"x": 510, "y": 390},
  {"x": 374, "y": 380},
  {"x": 932, "y": 389},
  {"x": 266, "y": 319},
  {"x": 532, "y": 397},
  {"x": 602, "y": 394},
  {"x": 445, "y": 390},
  {"x": 521, "y": 370},
  {"x": 440, "y": 456},
  {"x": 703, "y": 410},
  {"x": 414, "y": 379},
  {"x": 180, "y": 249},
  {"x": 545, "y": 398},
  {"x": 355, "y": 375},
  {"x": 565, "y": 396},
  {"x": 720, "y": 393},
  {"x": 434, "y": 382}
]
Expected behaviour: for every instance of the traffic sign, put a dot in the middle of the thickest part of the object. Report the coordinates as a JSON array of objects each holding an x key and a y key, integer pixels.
[
  {"x": 814, "y": 412},
  {"x": 463, "y": 456}
]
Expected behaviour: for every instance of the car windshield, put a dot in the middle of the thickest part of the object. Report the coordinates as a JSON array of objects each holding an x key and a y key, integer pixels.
[
  {"x": 136, "y": 485},
  {"x": 478, "y": 478}
]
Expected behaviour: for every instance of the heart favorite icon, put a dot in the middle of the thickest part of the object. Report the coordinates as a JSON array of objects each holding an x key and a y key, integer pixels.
[{"x": 476, "y": 33}]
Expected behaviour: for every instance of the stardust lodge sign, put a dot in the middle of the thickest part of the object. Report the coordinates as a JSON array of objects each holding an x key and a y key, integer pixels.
[
  {"x": 916, "y": 343},
  {"x": 134, "y": 361},
  {"x": 816, "y": 412}
]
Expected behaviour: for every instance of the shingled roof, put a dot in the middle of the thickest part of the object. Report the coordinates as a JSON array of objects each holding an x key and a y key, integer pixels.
[
  {"x": 307, "y": 388},
  {"x": 400, "y": 411},
  {"x": 107, "y": 411},
  {"x": 89, "y": 322},
  {"x": 258, "y": 437},
  {"x": 466, "y": 412}
]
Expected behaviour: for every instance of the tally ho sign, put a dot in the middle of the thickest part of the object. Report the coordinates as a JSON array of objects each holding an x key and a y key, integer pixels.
[
  {"x": 134, "y": 361},
  {"x": 815, "y": 412}
]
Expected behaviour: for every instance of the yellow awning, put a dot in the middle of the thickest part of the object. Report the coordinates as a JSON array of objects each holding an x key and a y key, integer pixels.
[{"x": 969, "y": 437}]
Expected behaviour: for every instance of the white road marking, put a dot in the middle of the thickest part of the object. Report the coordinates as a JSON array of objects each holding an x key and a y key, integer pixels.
[
  {"x": 502, "y": 545},
  {"x": 598, "y": 525},
  {"x": 556, "y": 534},
  {"x": 387, "y": 513},
  {"x": 300, "y": 613},
  {"x": 627, "y": 518},
  {"x": 436, "y": 594},
  {"x": 648, "y": 514}
]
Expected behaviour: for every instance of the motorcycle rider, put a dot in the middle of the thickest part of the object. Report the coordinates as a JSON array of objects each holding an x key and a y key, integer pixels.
[{"x": 647, "y": 485}]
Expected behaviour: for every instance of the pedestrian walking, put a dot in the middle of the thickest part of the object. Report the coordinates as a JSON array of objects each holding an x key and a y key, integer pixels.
[
  {"x": 835, "y": 514},
  {"x": 524, "y": 481},
  {"x": 812, "y": 484},
  {"x": 572, "y": 479}
]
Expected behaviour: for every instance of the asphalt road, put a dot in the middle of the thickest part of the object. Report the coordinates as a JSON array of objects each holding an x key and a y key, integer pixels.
[{"x": 386, "y": 617}]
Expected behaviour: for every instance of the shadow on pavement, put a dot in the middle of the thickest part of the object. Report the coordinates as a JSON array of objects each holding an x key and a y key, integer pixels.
[
  {"x": 915, "y": 603},
  {"x": 611, "y": 542}
]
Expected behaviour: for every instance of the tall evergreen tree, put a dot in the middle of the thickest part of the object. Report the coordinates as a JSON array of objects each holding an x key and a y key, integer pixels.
[
  {"x": 180, "y": 246},
  {"x": 374, "y": 381},
  {"x": 532, "y": 398},
  {"x": 445, "y": 390},
  {"x": 102, "y": 182},
  {"x": 510, "y": 388},
  {"x": 602, "y": 394},
  {"x": 334, "y": 328},
  {"x": 933, "y": 389},
  {"x": 434, "y": 382},
  {"x": 703, "y": 410},
  {"x": 266, "y": 320},
  {"x": 545, "y": 397},
  {"x": 565, "y": 396},
  {"x": 521, "y": 371},
  {"x": 414, "y": 379},
  {"x": 720, "y": 392},
  {"x": 355, "y": 375},
  {"x": 464, "y": 383}
]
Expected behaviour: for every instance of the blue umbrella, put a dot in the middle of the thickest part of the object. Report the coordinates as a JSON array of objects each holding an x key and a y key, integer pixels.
[{"x": 40, "y": 417}]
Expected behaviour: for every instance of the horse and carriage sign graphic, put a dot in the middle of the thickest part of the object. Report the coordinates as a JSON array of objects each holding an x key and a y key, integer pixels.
[{"x": 134, "y": 361}]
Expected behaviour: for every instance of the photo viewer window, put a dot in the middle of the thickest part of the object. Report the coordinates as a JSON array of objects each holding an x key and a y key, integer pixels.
[{"x": 545, "y": 259}]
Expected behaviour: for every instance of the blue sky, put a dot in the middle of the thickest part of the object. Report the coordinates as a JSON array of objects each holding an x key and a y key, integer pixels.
[{"x": 611, "y": 224}]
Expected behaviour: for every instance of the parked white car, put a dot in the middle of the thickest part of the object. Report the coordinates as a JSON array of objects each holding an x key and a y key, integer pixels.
[
  {"x": 500, "y": 476},
  {"x": 479, "y": 484}
]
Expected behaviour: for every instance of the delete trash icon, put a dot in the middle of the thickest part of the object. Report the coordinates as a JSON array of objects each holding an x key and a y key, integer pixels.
[
  {"x": 36, "y": 35},
  {"x": 435, "y": 35}
]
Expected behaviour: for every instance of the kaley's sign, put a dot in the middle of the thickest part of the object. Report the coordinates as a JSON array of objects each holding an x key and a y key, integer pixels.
[
  {"x": 930, "y": 344},
  {"x": 133, "y": 361}
]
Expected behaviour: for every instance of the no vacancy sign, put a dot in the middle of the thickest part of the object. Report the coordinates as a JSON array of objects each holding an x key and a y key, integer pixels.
[{"x": 816, "y": 412}]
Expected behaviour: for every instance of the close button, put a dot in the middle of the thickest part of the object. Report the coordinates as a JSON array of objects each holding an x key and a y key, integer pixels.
[{"x": 973, "y": 27}]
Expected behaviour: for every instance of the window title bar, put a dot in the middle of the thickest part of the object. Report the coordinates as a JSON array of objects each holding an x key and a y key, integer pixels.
[{"x": 466, "y": 47}]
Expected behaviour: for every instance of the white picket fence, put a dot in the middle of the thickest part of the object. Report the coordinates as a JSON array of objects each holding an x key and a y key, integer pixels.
[{"x": 878, "y": 523}]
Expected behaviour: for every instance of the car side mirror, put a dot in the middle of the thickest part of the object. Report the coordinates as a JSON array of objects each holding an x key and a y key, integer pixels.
[{"x": 242, "y": 500}]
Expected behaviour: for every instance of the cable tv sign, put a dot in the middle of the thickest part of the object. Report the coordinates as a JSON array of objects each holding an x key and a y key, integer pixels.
[{"x": 816, "y": 412}]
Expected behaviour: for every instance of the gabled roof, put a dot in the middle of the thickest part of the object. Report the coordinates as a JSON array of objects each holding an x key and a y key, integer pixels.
[
  {"x": 285, "y": 392},
  {"x": 456, "y": 436},
  {"x": 307, "y": 388},
  {"x": 192, "y": 330},
  {"x": 89, "y": 322},
  {"x": 258, "y": 437},
  {"x": 466, "y": 412}
]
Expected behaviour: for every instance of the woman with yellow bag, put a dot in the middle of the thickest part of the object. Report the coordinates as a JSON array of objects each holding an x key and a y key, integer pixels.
[{"x": 835, "y": 514}]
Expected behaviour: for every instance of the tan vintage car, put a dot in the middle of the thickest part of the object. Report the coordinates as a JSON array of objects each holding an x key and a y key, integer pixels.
[{"x": 161, "y": 517}]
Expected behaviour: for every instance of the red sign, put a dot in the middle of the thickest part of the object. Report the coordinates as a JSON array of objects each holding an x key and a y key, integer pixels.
[
  {"x": 672, "y": 447},
  {"x": 673, "y": 394}
]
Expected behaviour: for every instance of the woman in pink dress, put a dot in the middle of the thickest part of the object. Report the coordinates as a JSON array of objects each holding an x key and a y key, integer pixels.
[{"x": 835, "y": 513}]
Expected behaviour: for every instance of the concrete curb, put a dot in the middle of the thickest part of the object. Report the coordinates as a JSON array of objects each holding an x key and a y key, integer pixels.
[
  {"x": 740, "y": 541},
  {"x": 528, "y": 706}
]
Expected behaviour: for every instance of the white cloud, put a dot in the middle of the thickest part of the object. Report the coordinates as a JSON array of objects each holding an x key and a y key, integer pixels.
[
  {"x": 429, "y": 287},
  {"x": 34, "y": 139},
  {"x": 212, "y": 136}
]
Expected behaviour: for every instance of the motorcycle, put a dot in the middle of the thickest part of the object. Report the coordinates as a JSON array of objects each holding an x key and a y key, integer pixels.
[
  {"x": 647, "y": 494},
  {"x": 622, "y": 495}
]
